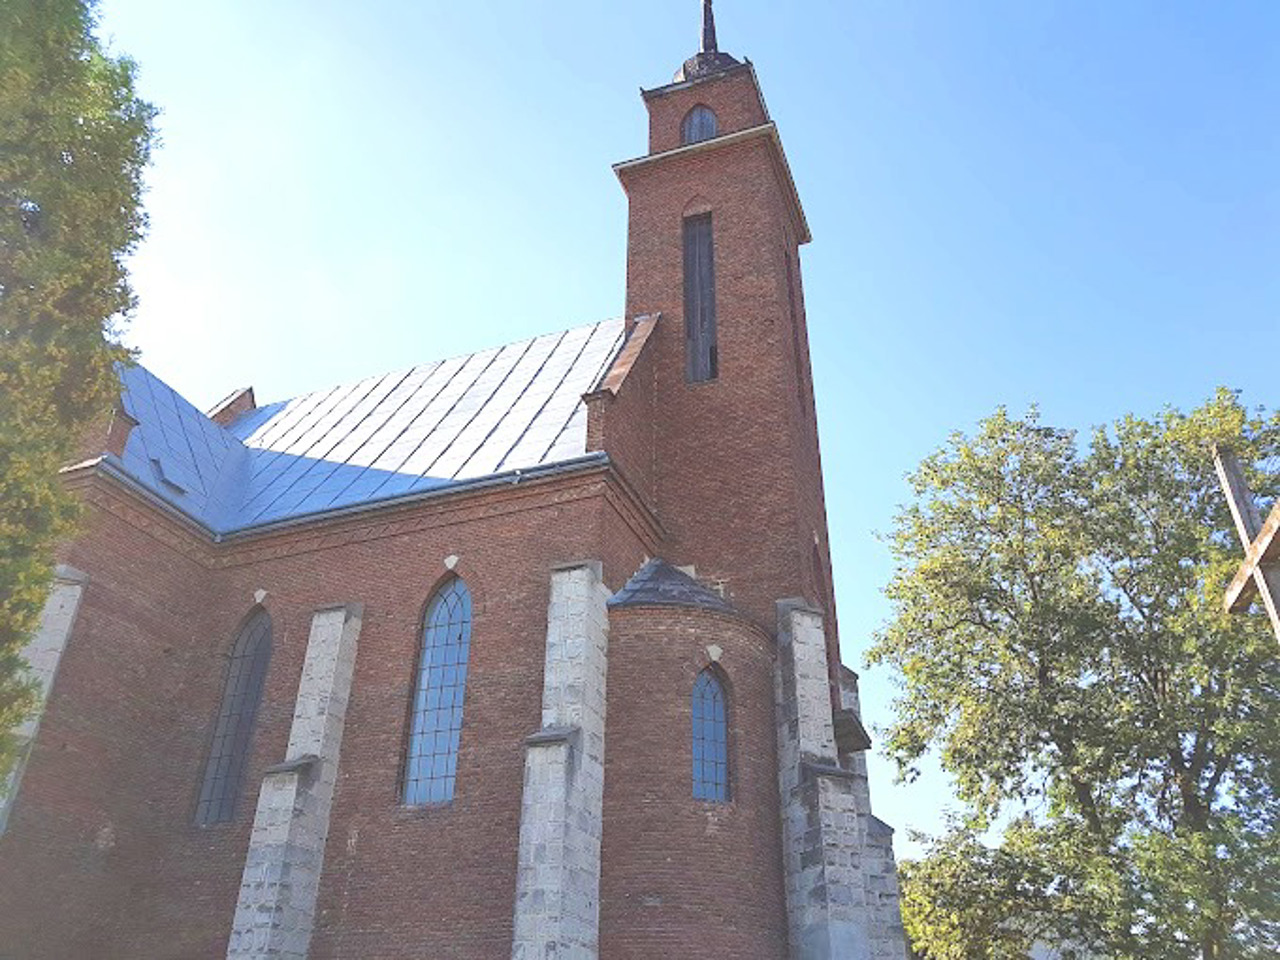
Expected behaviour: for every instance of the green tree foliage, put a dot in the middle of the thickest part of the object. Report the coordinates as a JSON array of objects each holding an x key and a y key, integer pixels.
[
  {"x": 74, "y": 139},
  {"x": 1112, "y": 732}
]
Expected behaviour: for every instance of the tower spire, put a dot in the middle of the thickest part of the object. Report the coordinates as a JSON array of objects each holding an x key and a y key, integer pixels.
[
  {"x": 708, "y": 28},
  {"x": 709, "y": 60}
]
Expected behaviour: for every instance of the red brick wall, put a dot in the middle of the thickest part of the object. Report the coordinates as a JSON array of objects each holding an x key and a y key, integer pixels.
[
  {"x": 439, "y": 881},
  {"x": 102, "y": 858},
  {"x": 684, "y": 877},
  {"x": 742, "y": 519},
  {"x": 626, "y": 425},
  {"x": 734, "y": 99},
  {"x": 100, "y": 840},
  {"x": 751, "y": 520}
]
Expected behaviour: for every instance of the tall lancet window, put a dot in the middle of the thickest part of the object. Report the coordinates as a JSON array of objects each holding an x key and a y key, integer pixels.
[
  {"x": 710, "y": 738},
  {"x": 436, "y": 725},
  {"x": 702, "y": 360},
  {"x": 233, "y": 734}
]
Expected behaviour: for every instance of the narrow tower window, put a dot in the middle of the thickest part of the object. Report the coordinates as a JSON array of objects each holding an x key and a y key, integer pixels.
[
  {"x": 699, "y": 124},
  {"x": 710, "y": 739},
  {"x": 234, "y": 731},
  {"x": 436, "y": 725},
  {"x": 797, "y": 349},
  {"x": 702, "y": 362}
]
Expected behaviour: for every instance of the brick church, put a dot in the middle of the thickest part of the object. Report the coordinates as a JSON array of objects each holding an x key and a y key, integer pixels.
[{"x": 526, "y": 654}]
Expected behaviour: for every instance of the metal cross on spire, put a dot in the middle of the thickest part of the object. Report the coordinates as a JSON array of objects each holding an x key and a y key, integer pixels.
[{"x": 708, "y": 28}]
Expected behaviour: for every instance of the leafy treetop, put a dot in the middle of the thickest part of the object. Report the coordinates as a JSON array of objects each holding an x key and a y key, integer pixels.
[
  {"x": 74, "y": 140},
  {"x": 1061, "y": 642}
]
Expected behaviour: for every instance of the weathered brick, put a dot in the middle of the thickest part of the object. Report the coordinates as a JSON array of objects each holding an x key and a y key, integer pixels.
[{"x": 103, "y": 858}]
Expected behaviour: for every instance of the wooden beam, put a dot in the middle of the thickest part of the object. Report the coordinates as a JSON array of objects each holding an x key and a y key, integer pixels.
[
  {"x": 1241, "y": 591},
  {"x": 1243, "y": 510},
  {"x": 1268, "y": 539},
  {"x": 1261, "y": 542},
  {"x": 1264, "y": 551}
]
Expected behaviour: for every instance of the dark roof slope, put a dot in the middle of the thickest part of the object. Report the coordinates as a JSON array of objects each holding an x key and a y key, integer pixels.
[{"x": 659, "y": 583}]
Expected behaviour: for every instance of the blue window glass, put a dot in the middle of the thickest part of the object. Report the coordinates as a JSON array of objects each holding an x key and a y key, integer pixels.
[
  {"x": 699, "y": 124},
  {"x": 710, "y": 738},
  {"x": 233, "y": 733},
  {"x": 436, "y": 725}
]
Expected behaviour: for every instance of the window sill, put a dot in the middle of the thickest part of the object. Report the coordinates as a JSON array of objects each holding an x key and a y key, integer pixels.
[{"x": 406, "y": 812}]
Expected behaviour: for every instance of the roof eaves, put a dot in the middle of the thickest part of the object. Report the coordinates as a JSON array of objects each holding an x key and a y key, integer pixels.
[
  {"x": 590, "y": 461},
  {"x": 110, "y": 466}
]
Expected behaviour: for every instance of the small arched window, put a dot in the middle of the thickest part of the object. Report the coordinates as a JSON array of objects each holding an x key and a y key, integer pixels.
[
  {"x": 436, "y": 725},
  {"x": 233, "y": 734},
  {"x": 710, "y": 738},
  {"x": 699, "y": 124}
]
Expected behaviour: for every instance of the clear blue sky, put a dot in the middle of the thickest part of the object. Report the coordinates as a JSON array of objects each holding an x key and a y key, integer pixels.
[{"x": 1012, "y": 201}]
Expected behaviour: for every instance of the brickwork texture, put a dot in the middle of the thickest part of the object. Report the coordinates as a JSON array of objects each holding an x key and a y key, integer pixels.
[{"x": 572, "y": 832}]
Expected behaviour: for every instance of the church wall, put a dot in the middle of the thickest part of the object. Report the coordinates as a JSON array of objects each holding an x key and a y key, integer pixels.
[
  {"x": 683, "y": 877},
  {"x": 87, "y": 856},
  {"x": 810, "y": 497},
  {"x": 105, "y": 817},
  {"x": 440, "y": 881},
  {"x": 275, "y": 911}
]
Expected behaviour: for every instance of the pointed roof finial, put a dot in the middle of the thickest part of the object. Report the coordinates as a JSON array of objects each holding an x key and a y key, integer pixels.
[
  {"x": 709, "y": 61},
  {"x": 708, "y": 28}
]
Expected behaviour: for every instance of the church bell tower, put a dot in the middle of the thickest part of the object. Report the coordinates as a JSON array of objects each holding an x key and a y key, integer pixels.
[
  {"x": 730, "y": 466},
  {"x": 713, "y": 244}
]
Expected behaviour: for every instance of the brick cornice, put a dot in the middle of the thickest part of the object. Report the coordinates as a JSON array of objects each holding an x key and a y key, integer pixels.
[
  {"x": 105, "y": 491},
  {"x": 768, "y": 132}
]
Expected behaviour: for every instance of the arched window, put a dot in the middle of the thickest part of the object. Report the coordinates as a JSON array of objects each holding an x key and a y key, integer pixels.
[
  {"x": 436, "y": 725},
  {"x": 234, "y": 731},
  {"x": 710, "y": 738},
  {"x": 699, "y": 124}
]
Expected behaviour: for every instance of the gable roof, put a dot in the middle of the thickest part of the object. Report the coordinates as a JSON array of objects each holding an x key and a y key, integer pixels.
[{"x": 442, "y": 423}]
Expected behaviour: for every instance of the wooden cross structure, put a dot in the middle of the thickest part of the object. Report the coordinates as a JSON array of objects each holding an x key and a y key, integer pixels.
[{"x": 1260, "y": 571}]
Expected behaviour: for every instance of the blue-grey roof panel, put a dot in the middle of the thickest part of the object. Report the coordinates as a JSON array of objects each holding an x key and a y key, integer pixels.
[{"x": 511, "y": 408}]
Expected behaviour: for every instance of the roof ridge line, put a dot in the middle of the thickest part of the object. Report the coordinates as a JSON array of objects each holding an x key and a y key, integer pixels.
[{"x": 459, "y": 356}]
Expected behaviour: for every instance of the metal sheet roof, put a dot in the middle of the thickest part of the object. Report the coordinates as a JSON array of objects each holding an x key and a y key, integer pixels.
[
  {"x": 511, "y": 408},
  {"x": 659, "y": 583}
]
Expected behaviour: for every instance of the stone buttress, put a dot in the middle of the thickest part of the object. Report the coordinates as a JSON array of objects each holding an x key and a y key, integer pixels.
[
  {"x": 841, "y": 889},
  {"x": 43, "y": 653},
  {"x": 880, "y": 869},
  {"x": 557, "y": 905},
  {"x": 275, "y": 913}
]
